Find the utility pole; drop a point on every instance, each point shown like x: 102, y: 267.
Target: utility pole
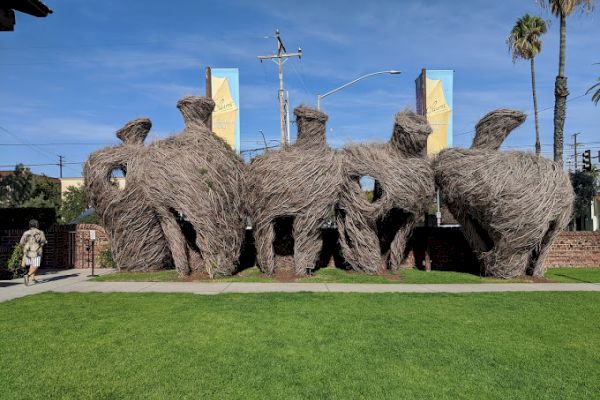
x: 280, y: 58
x: 575, y: 154
x: 60, y: 164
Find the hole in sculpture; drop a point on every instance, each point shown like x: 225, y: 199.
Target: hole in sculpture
x: 283, y: 244
x: 367, y: 186
x: 117, y: 176
x: 189, y: 233
x: 331, y: 251
x: 482, y: 240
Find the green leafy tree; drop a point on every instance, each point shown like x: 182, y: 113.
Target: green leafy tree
x: 45, y: 193
x: 23, y: 189
x: 562, y: 9
x: 525, y: 42
x: 585, y: 188
x: 16, y: 188
x: 73, y: 203
x: 596, y: 91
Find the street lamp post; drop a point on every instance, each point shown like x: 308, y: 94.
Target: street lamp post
x: 360, y: 78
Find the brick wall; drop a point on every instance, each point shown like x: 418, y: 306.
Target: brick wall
x: 66, y: 246
x: 82, y: 253
x: 575, y: 249
x: 450, y: 251
x: 448, y: 248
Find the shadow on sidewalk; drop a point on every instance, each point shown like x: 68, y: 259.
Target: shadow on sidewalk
x: 56, y: 278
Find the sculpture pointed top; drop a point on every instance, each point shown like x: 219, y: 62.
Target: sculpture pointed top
x: 495, y: 126
x: 311, y: 127
x: 196, y: 110
x: 134, y: 132
x: 410, y: 133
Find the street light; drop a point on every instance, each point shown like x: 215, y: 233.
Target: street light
x: 360, y: 78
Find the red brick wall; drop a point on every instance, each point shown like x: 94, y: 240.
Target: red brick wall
x: 82, y: 254
x: 448, y: 249
x: 575, y: 249
x: 66, y: 246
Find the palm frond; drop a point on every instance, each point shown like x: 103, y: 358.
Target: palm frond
x: 524, y: 40
x: 566, y: 7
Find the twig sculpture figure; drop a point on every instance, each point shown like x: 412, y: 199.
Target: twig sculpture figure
x: 510, y: 205
x: 191, y: 187
x: 373, y: 235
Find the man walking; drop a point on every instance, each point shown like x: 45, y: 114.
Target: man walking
x: 33, y: 242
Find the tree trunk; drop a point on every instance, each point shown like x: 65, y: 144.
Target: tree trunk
x: 538, y: 145
x: 560, y: 95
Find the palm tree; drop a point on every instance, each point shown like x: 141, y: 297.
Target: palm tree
x: 562, y: 9
x: 524, y: 42
x: 596, y: 95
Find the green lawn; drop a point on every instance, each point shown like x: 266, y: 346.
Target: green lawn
x: 333, y: 275
x: 301, y: 346
x: 574, y: 275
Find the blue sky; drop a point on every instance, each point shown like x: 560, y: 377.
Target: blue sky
x: 81, y: 73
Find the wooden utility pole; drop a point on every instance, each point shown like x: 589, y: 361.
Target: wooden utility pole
x: 60, y: 165
x: 575, y: 148
x: 209, y: 92
x: 280, y: 58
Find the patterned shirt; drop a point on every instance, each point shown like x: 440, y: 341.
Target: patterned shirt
x: 33, y: 241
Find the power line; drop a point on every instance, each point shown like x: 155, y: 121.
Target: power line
x: 41, y: 165
x: 528, y: 112
x: 58, y: 144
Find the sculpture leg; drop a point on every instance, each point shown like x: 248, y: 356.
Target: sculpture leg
x: 398, y: 245
x: 503, y: 261
x: 176, y: 242
x: 264, y: 235
x: 360, y: 245
x: 307, y: 244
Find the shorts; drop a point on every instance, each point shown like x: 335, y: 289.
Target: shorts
x: 33, y: 261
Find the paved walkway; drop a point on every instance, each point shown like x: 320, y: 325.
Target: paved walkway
x: 76, y: 280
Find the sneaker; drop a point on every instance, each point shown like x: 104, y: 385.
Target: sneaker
x: 35, y: 280
x: 26, y: 279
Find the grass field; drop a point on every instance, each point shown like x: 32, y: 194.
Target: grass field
x: 332, y: 275
x: 301, y: 346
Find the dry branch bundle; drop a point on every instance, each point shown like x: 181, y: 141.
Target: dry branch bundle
x: 301, y: 182
x: 137, y: 241
x: 510, y: 205
x: 190, y: 184
x: 374, y: 235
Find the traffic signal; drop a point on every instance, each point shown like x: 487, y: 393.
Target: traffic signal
x: 587, y: 160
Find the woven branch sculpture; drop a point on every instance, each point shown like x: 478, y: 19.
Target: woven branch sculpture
x: 301, y: 182
x: 510, y: 205
x: 136, y: 238
x: 373, y: 235
x: 190, y: 186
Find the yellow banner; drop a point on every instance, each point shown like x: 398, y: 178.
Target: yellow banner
x: 225, y: 93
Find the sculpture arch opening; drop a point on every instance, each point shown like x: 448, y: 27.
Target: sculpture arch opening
x: 367, y: 186
x: 118, y: 176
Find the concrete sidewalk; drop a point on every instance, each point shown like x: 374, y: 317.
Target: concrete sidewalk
x: 76, y: 280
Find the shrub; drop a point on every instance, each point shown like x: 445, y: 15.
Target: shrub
x: 106, y: 259
x: 14, y: 262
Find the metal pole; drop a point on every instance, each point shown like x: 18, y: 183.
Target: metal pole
x: 287, y: 110
x: 345, y: 85
x: 93, y: 257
